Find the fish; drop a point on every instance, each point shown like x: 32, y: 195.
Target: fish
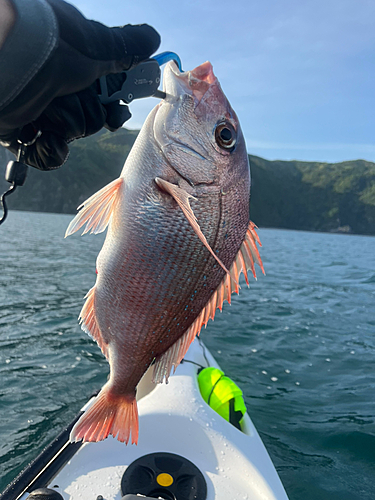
x: 178, y: 237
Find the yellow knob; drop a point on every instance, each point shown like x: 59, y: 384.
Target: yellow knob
x: 164, y: 479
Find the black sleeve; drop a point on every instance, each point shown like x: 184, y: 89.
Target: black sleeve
x: 49, y: 63
x: 28, y: 46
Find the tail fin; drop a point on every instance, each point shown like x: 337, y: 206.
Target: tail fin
x: 110, y: 414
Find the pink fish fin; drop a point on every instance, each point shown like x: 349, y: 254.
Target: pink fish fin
x: 182, y: 198
x: 252, y: 239
x: 248, y: 257
x: 87, y: 320
x: 110, y: 414
x: 213, y: 304
x: 244, y: 260
x: 220, y: 295
x: 173, y: 356
x: 207, y: 313
x: 251, y: 230
x: 96, y: 211
x: 227, y: 288
x: 241, y: 266
x: 249, y: 251
x: 235, y: 287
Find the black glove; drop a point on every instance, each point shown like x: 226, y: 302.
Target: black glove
x: 61, y: 100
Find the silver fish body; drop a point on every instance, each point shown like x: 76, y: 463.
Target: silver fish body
x: 178, y: 220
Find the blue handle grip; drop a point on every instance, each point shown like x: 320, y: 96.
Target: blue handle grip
x: 165, y: 57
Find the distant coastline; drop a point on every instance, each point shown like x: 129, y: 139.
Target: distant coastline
x: 311, y: 196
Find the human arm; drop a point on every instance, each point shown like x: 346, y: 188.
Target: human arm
x: 50, y: 75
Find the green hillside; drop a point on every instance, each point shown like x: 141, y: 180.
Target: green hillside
x: 285, y: 194
x: 92, y: 163
x: 314, y: 196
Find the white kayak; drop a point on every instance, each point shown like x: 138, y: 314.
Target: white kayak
x: 182, y: 441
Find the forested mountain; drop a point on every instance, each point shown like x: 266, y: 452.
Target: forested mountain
x: 92, y: 163
x: 286, y: 194
x: 314, y: 196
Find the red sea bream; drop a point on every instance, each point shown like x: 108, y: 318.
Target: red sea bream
x: 179, y: 236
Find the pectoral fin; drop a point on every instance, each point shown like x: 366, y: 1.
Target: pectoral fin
x: 182, y: 198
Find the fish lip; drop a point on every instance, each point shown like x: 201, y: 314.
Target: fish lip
x: 194, y: 83
x: 173, y: 85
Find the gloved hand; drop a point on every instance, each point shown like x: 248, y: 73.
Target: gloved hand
x: 61, y: 100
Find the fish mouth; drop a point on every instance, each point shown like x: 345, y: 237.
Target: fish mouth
x: 195, y: 82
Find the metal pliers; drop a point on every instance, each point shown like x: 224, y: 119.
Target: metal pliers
x: 141, y: 81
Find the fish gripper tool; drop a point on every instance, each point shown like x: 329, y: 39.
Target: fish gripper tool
x: 138, y: 82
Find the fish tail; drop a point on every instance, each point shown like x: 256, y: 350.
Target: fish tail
x: 111, y: 414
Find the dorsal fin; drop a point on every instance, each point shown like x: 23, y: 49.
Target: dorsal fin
x: 243, y: 262
x: 96, y: 211
x: 252, y: 239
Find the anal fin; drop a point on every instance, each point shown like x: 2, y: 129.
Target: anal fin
x: 88, y: 322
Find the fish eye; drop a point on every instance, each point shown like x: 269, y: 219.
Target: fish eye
x: 225, y: 135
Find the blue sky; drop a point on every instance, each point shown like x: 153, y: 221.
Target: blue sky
x: 299, y: 73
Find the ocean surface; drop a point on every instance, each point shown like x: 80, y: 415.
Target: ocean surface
x: 300, y: 342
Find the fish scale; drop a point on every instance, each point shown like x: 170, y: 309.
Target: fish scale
x: 178, y: 219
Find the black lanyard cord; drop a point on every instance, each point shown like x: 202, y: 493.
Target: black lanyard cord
x: 3, y: 203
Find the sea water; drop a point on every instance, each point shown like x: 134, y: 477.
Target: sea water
x: 300, y: 342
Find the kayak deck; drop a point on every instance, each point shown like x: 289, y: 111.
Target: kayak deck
x: 174, y: 418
